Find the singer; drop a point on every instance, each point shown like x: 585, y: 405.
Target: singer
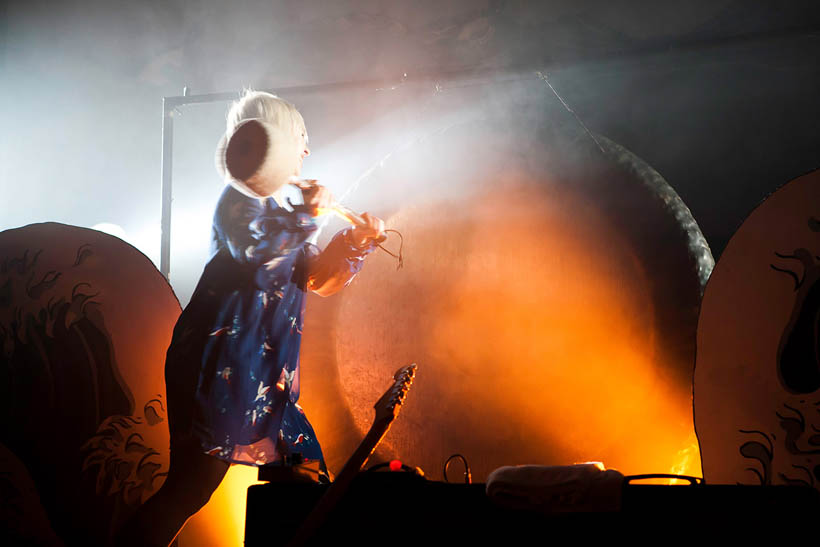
x: 232, y: 369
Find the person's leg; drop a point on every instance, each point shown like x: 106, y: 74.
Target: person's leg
x: 192, y: 478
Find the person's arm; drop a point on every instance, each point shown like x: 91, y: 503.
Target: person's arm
x: 331, y: 270
x: 334, y: 268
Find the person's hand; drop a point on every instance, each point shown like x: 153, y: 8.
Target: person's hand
x: 373, y: 230
x: 317, y: 198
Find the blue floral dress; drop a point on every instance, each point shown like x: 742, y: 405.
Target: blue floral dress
x: 232, y: 371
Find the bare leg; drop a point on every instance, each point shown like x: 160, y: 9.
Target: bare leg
x: 192, y: 478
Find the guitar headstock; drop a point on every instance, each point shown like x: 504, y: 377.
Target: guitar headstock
x: 387, y: 408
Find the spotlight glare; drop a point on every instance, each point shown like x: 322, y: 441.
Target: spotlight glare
x: 111, y: 229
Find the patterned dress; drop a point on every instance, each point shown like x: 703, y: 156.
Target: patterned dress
x: 232, y: 371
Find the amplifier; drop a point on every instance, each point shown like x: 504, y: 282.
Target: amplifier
x: 404, y: 508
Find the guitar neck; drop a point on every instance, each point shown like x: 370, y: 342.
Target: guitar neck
x: 360, y: 456
x: 387, y: 408
x: 339, y: 486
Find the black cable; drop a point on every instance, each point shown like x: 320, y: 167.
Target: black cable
x: 400, y: 257
x: 468, y: 476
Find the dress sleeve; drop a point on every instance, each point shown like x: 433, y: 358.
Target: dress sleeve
x: 257, y: 234
x: 336, y: 266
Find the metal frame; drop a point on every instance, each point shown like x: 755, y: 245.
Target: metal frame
x: 468, y: 76
x: 171, y: 105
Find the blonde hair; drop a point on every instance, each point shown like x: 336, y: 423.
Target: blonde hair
x: 268, y: 107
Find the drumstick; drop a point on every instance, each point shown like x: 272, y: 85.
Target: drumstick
x: 345, y: 213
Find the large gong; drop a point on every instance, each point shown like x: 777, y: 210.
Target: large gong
x: 549, y: 296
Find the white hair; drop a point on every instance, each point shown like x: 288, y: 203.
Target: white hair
x: 268, y: 107
x: 283, y: 137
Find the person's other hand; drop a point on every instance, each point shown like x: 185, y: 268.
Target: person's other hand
x: 318, y: 199
x: 372, y: 231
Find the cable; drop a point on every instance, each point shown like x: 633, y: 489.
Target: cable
x: 400, y: 257
x: 543, y: 76
x: 468, y: 476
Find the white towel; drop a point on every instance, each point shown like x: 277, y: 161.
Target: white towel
x: 556, y: 489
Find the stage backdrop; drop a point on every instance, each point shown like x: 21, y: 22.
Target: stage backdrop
x: 85, y: 320
x: 757, y: 378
